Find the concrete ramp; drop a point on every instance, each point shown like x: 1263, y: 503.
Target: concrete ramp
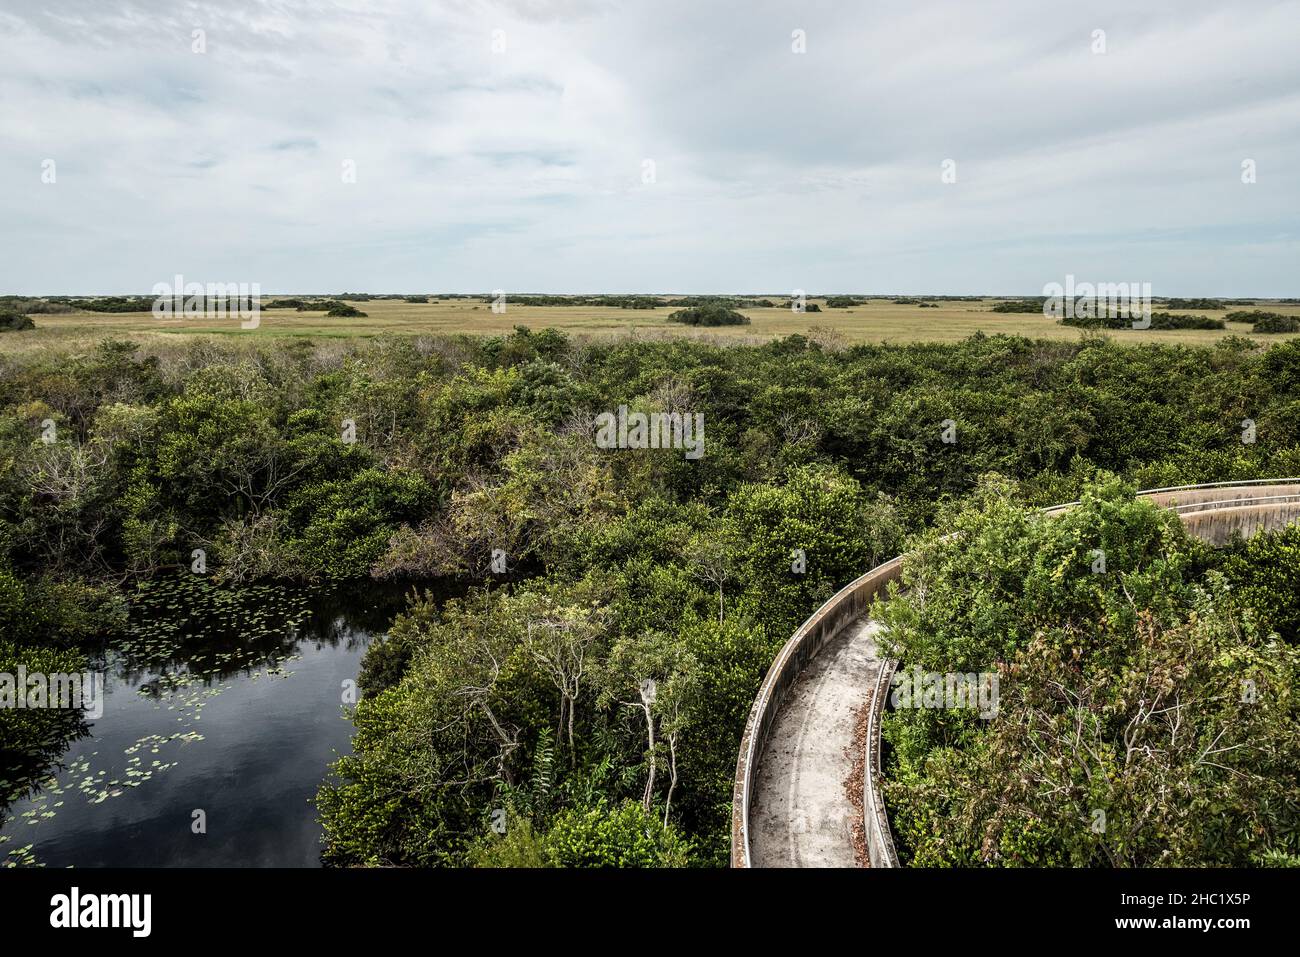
x: 790, y: 807
x: 802, y: 816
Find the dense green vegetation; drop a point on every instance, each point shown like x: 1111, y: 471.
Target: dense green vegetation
x: 31, y: 737
x: 115, y: 304
x: 1193, y: 303
x: 526, y: 701
x: 15, y: 322
x: 1267, y: 322
x: 1099, y: 319
x: 25, y: 306
x: 1253, y: 315
x: 45, y: 621
x: 1165, y: 320
x: 616, y: 302
x: 1021, y: 306
x: 640, y: 302
x: 1147, y: 712
x: 709, y: 314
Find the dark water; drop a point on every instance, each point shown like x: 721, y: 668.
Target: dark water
x: 235, y: 708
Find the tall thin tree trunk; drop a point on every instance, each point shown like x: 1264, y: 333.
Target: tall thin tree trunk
x: 672, y: 780
x: 573, y: 760
x: 559, y: 728
x: 650, y: 781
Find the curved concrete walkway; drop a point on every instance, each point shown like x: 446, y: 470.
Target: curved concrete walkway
x: 801, y: 816
x: 798, y: 813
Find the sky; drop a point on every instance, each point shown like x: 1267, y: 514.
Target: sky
x: 671, y: 146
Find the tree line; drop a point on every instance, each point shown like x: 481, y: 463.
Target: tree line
x: 601, y: 685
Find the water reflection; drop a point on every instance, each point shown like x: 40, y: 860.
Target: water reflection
x: 227, y: 702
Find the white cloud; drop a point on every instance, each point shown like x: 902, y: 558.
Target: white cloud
x: 522, y: 169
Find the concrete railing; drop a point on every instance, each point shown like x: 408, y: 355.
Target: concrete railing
x: 875, y: 819
x: 1216, y: 513
x: 846, y: 606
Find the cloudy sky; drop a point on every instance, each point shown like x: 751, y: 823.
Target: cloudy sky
x: 656, y: 145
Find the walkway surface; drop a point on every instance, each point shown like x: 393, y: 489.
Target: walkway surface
x: 801, y: 815
x: 799, y: 812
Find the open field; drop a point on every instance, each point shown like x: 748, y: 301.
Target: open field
x: 877, y: 321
